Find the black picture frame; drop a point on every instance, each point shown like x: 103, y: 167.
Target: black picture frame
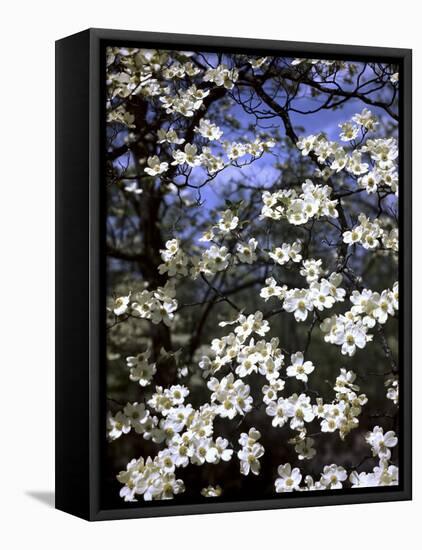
x: 80, y: 271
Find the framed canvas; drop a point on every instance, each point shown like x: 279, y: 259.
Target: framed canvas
x: 233, y: 227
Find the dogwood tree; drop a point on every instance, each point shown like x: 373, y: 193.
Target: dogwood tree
x: 252, y: 274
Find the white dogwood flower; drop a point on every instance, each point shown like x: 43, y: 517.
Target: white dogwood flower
x: 333, y: 476
x: 288, y: 480
x: 211, y: 491
x: 208, y: 130
x: 227, y: 222
x: 299, y: 368
x: 121, y: 305
x: 299, y: 302
x: 246, y: 252
x: 279, y: 411
x: 381, y: 443
x: 155, y: 166
x: 250, y: 453
x: 272, y: 289
x: 305, y: 449
x: 118, y: 425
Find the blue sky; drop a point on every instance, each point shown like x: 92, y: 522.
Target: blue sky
x: 262, y: 171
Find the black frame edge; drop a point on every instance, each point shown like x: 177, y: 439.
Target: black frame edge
x: 225, y: 42
x: 406, y: 272
x: 72, y: 417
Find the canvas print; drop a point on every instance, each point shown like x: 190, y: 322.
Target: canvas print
x: 252, y: 267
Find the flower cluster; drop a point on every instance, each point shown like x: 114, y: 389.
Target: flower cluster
x: 332, y: 477
x: 311, y: 270
x: 383, y: 154
x: 390, y: 239
x: 296, y: 409
x: 168, y: 136
x: 375, y: 307
x: 350, y: 331
x: 188, y: 155
x: 324, y: 62
x: 214, y: 259
x: 342, y: 413
x: 237, y: 150
x: 134, y: 416
x: 246, y: 357
x: 135, y: 75
x: 211, y: 162
x: 385, y: 473
x: 320, y: 295
x: 186, y: 433
x: 286, y: 252
x: 381, y: 169
x: 150, y: 478
x: 392, y: 385
x: 361, y: 122
x: 231, y: 396
x: 140, y: 370
x: 250, y: 453
x: 313, y: 202
x: 158, y: 305
x: 208, y: 130
x: 257, y: 62
x: 347, y: 331
x: 179, y: 70
x: 121, y: 116
x: 227, y: 223
x: 175, y: 260
x: 367, y: 233
x: 184, y: 102
x: 222, y: 76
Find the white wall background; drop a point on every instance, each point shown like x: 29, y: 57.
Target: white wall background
x: 28, y: 31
